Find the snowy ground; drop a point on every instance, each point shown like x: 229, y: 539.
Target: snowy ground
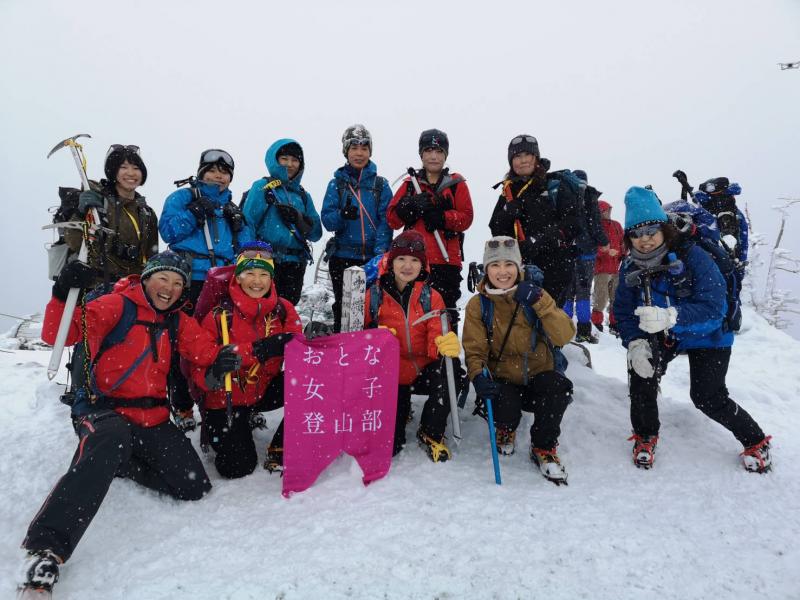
x: 696, y: 526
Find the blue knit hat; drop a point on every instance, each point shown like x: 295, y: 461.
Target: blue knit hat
x: 642, y: 208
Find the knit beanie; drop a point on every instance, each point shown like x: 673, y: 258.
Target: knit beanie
x: 356, y: 134
x: 292, y: 149
x: 255, y: 255
x: 434, y: 138
x: 502, y: 247
x: 642, y: 208
x: 168, y: 261
x: 408, y: 243
x: 117, y: 154
x: 523, y: 143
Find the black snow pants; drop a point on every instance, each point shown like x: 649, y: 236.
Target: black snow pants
x: 160, y: 458
x: 446, y: 279
x: 289, y: 279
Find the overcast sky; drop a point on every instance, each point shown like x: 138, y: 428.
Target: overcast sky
x: 628, y: 91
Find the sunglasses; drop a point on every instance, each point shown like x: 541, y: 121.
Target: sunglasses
x: 358, y: 142
x: 122, y: 148
x: 494, y: 244
x: 413, y: 245
x: 524, y: 138
x: 209, y: 157
x: 644, y: 230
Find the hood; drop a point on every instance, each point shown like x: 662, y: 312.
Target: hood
x: 604, y: 206
x: 277, y: 170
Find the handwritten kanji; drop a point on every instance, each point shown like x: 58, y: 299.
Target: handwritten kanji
x: 372, y: 387
x: 345, y: 425
x: 313, y: 422
x: 312, y: 390
x: 371, y: 420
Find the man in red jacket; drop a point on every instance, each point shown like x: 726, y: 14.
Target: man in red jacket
x: 442, y: 210
x: 606, y: 268
x: 125, y: 431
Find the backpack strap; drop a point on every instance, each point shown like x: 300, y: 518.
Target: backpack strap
x: 425, y: 298
x: 487, y: 316
x: 375, y: 300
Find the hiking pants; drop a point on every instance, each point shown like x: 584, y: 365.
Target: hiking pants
x: 707, y: 370
x: 446, y: 279
x: 289, y: 279
x: 579, y: 290
x: 234, y: 446
x: 558, y: 266
x: 336, y: 267
x: 547, y: 396
x: 605, y: 288
x: 432, y: 381
x: 160, y: 458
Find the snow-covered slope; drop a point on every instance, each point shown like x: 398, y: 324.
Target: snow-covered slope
x: 696, y: 526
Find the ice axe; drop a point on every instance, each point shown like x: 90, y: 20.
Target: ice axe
x: 83, y: 253
x: 448, y: 363
x: 415, y: 182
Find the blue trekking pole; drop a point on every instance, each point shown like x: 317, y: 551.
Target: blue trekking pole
x: 492, y: 438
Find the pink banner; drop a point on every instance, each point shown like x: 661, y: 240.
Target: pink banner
x: 340, y: 395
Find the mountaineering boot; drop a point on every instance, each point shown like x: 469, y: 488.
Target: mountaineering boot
x: 757, y: 458
x: 257, y: 421
x: 437, y: 450
x: 549, y: 465
x: 506, y: 439
x: 274, y: 460
x: 644, y: 450
x: 39, y: 573
x: 585, y: 334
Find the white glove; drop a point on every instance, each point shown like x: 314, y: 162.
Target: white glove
x: 653, y: 319
x: 729, y: 241
x: 639, y: 355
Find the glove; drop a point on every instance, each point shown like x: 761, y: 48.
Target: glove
x: 75, y: 275
x: 89, y: 199
x: 315, y: 329
x: 304, y: 225
x: 127, y: 252
x: 448, y: 345
x: 639, y: 356
x: 349, y: 212
x: 676, y: 266
x: 528, y: 293
x: 184, y: 420
x: 408, y: 210
x: 289, y: 214
x: 434, y: 219
x: 653, y: 319
x: 227, y: 360
x: 485, y: 388
x: 271, y: 346
x: 513, y: 209
x: 234, y: 216
x: 201, y: 208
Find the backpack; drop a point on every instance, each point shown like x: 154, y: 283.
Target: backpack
x: 215, y: 293
x: 376, y: 299
x: 59, y: 254
x: 589, y: 220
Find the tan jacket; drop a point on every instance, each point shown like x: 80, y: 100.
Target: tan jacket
x: 517, y: 354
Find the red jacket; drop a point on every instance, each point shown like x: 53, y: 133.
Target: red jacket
x: 149, y: 379
x: 605, y: 263
x: 417, y: 342
x: 452, y: 194
x: 249, y: 319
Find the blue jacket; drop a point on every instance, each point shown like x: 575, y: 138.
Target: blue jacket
x: 179, y: 229
x: 266, y: 220
x: 700, y: 313
x: 370, y: 234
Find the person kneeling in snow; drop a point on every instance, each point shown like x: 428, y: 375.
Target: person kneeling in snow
x: 260, y: 324
x: 512, y: 330
x: 400, y: 301
x: 126, y: 430
x: 666, y: 305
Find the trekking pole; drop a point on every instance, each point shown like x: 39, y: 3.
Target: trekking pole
x: 228, y: 387
x: 451, y: 383
x: 686, y: 189
x: 415, y: 182
x: 83, y: 254
x: 492, y: 434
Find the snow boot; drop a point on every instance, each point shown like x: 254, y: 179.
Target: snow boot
x: 757, y: 458
x: 644, y: 450
x: 585, y: 334
x: 257, y: 421
x: 39, y: 574
x: 597, y: 319
x: 549, y: 465
x: 506, y: 439
x: 274, y: 460
x: 437, y: 450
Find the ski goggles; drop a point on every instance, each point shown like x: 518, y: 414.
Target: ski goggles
x: 358, y: 142
x: 644, y: 230
x: 494, y: 244
x: 414, y: 245
x: 524, y: 138
x: 262, y: 253
x: 213, y: 156
x: 122, y: 148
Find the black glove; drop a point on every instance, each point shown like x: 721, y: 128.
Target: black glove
x: 127, y: 252
x: 234, y: 216
x: 434, y: 219
x: 349, y: 212
x: 270, y: 347
x: 528, y: 293
x: 227, y: 360
x: 485, y: 388
x: 201, y: 208
x: 513, y: 209
x: 75, y: 275
x: 289, y: 214
x: 304, y: 225
x: 315, y: 329
x: 408, y: 210
x: 89, y: 199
